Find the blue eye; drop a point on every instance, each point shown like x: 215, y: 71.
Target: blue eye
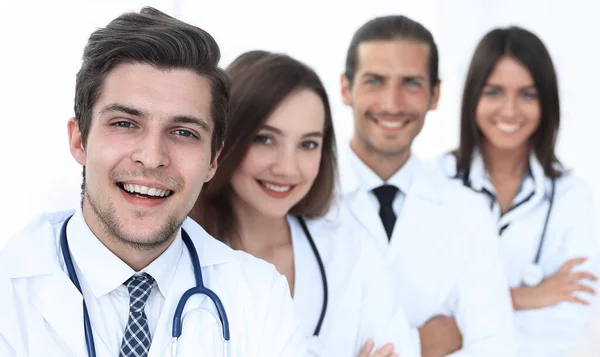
x: 529, y: 95
x: 184, y: 133
x: 123, y: 124
x: 413, y: 83
x: 373, y: 81
x: 492, y: 93
x: 310, y: 145
x: 263, y: 139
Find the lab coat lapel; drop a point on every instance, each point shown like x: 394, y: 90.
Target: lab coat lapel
x: 61, y: 305
x: 362, y: 210
x: 9, y: 314
x: 357, y: 202
x: 421, y: 202
x: 53, y: 294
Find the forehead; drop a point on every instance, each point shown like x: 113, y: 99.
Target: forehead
x: 300, y: 112
x: 510, y: 71
x: 163, y: 93
x: 400, y: 57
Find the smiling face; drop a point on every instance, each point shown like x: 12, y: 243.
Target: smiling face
x: 147, y: 155
x: 390, y: 95
x: 508, y: 112
x: 282, y: 163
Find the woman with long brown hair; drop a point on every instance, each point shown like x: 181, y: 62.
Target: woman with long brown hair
x: 275, y: 182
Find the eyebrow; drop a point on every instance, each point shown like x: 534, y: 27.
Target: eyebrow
x: 529, y: 86
x: 405, y: 77
x: 314, y: 134
x: 178, y: 119
x: 185, y: 119
x: 122, y: 108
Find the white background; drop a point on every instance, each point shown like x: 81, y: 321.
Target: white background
x: 41, y: 43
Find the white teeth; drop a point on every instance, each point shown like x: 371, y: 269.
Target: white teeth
x: 507, y: 128
x: 392, y: 124
x: 145, y: 190
x: 276, y: 188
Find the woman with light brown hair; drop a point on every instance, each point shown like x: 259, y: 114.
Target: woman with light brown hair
x: 275, y: 182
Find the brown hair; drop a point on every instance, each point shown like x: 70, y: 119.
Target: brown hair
x: 154, y: 38
x: 390, y: 28
x: 260, y: 82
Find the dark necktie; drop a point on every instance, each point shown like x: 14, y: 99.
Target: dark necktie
x: 136, y: 339
x: 386, y: 194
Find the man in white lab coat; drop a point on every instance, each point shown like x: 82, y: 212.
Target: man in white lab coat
x: 150, y: 111
x: 442, y: 251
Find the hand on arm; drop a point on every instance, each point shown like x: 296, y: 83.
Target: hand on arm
x: 386, y: 350
x: 556, y: 288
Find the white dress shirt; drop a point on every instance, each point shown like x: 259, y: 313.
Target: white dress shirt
x: 369, y: 181
x: 102, y: 276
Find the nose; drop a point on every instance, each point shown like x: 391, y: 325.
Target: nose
x: 286, y: 162
x: 151, y: 150
x: 509, y: 107
x: 393, y: 99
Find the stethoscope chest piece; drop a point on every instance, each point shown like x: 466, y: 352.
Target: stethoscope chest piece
x: 533, y: 275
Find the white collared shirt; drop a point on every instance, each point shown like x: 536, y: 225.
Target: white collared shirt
x: 102, y: 276
x: 368, y: 181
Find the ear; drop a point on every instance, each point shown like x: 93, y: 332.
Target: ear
x: 435, y: 97
x: 213, y: 167
x: 346, y: 89
x: 75, y: 141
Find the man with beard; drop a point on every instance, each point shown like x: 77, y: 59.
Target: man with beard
x: 442, y: 251
x: 106, y: 279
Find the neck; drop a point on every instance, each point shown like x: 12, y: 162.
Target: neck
x: 505, y: 163
x: 134, y: 255
x: 384, y: 165
x: 256, y: 233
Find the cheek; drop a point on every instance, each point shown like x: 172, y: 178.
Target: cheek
x: 310, y: 167
x: 483, y: 112
x: 533, y: 114
x: 253, y: 164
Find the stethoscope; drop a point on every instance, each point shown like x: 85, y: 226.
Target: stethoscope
x: 177, y: 322
x: 533, y: 273
x: 322, y: 270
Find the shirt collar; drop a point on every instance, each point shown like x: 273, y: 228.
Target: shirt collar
x: 104, y: 271
x: 480, y: 179
x: 369, y: 180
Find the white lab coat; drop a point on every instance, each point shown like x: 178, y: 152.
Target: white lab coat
x: 361, y: 301
x: 571, y: 232
x: 41, y: 311
x: 443, y: 255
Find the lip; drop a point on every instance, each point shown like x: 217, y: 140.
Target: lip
x: 147, y: 184
x: 393, y: 125
x: 142, y: 201
x: 275, y: 194
x: 508, y: 128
